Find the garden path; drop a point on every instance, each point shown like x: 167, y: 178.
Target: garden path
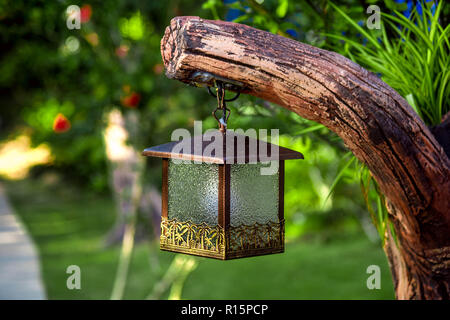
x: 20, y: 276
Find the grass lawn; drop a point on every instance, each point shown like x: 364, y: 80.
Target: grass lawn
x: 69, y: 226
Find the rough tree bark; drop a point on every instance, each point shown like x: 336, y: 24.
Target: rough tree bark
x: 373, y: 120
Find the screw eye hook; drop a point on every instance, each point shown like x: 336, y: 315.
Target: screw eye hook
x: 226, y: 100
x: 221, y: 105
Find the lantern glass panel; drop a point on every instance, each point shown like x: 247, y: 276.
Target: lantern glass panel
x: 253, y: 196
x: 193, y: 192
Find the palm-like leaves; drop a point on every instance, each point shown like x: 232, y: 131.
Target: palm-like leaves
x: 416, y: 63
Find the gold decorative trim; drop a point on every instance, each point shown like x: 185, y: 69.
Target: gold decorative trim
x: 188, y: 237
x: 256, y: 239
x: 212, y: 241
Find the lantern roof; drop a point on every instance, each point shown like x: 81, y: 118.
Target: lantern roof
x: 229, y: 148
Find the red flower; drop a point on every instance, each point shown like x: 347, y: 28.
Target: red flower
x: 61, y: 124
x: 132, y: 100
x: 85, y: 13
x: 122, y: 51
x: 158, y: 68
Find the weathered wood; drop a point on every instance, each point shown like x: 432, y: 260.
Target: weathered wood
x: 372, y: 119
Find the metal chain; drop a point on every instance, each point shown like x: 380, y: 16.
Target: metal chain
x: 221, y: 105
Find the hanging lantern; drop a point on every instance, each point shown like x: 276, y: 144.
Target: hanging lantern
x: 215, y: 200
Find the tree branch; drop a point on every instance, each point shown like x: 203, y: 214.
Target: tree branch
x: 374, y: 121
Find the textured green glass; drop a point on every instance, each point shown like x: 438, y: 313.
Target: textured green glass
x: 193, y: 192
x: 253, y: 197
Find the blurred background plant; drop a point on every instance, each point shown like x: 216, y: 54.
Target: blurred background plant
x: 77, y: 106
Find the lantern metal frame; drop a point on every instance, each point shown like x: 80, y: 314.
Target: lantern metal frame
x: 222, y: 241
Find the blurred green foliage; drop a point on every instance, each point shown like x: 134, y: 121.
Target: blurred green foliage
x: 47, y: 69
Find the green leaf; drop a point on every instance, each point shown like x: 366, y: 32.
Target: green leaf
x: 412, y: 103
x: 282, y: 9
x: 309, y: 129
x: 339, y: 176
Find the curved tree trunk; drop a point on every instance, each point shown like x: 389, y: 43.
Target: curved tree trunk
x: 373, y: 120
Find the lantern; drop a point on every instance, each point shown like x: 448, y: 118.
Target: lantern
x: 219, y: 197
x: 221, y: 205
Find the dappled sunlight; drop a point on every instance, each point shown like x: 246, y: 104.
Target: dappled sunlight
x: 133, y: 27
x: 18, y: 156
x: 116, y: 137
